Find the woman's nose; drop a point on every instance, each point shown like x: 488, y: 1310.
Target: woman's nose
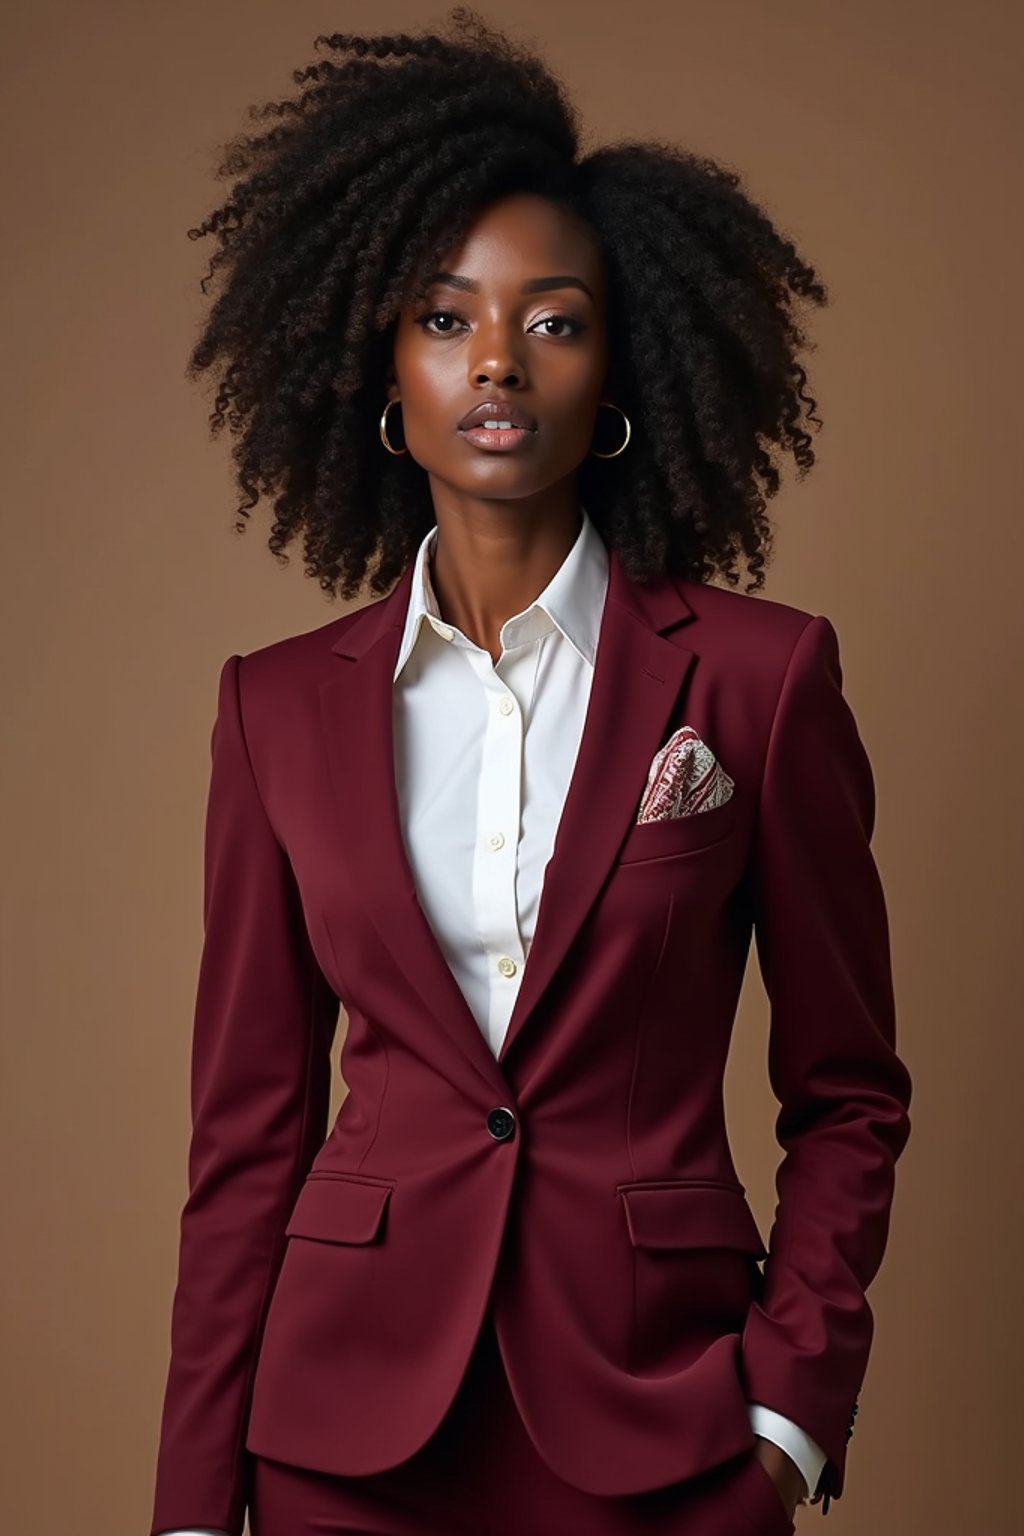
x: 494, y: 357
x: 496, y: 375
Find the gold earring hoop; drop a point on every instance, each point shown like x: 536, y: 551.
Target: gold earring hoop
x: 629, y: 432
x: 384, y: 430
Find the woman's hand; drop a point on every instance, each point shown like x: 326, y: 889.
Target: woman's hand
x: 783, y: 1471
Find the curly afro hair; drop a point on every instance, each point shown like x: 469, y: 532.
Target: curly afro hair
x: 341, y: 208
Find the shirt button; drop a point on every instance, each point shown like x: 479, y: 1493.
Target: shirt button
x: 445, y: 631
x: 506, y: 705
x: 506, y: 966
x: 496, y: 840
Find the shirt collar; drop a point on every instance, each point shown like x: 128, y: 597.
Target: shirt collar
x: 572, y: 602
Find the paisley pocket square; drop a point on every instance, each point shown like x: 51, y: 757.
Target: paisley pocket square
x: 684, y: 778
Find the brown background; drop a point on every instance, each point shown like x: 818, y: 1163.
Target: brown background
x: 885, y: 138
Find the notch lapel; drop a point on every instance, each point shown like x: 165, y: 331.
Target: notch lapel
x: 356, y: 704
x: 638, y: 678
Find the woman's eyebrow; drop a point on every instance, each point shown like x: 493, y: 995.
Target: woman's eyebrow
x: 532, y: 285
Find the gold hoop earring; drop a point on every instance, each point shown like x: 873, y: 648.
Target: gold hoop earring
x: 629, y: 432
x: 384, y: 430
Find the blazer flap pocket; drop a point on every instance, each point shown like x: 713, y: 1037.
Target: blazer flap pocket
x: 690, y: 1214
x: 340, y: 1208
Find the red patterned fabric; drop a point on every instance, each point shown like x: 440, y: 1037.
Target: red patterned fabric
x: 684, y: 777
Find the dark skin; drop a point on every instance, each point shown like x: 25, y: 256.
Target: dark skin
x: 506, y: 521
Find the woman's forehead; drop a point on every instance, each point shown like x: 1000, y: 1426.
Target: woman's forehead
x: 523, y: 236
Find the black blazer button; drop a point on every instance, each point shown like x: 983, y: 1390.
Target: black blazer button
x: 501, y: 1123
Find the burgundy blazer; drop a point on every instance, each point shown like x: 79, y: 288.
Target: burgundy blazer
x: 332, y: 1280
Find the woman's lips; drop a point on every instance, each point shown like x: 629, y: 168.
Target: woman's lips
x: 497, y: 439
x: 489, y: 412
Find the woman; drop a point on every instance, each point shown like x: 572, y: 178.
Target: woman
x: 521, y: 815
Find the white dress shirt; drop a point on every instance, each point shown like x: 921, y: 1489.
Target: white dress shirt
x: 484, y: 751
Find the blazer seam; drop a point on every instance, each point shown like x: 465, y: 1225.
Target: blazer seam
x: 249, y: 758
x: 637, y: 1037
x: 813, y: 619
x: 778, y: 1259
x: 278, y: 1245
x: 638, y: 1032
x: 781, y: 1258
x: 382, y: 1043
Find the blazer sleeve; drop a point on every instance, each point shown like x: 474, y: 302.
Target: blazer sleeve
x: 263, y: 1027
x: 822, y: 941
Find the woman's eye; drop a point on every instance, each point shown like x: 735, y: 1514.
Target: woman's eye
x: 445, y: 314
x: 570, y: 320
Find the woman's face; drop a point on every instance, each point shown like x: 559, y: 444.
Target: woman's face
x: 516, y: 314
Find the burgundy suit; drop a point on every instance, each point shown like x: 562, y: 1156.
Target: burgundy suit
x: 581, y: 1185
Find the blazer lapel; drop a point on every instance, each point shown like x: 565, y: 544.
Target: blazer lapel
x: 638, y: 675
x: 638, y: 678
x: 356, y: 703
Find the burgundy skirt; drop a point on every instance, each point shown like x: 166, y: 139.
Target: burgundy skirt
x: 479, y: 1474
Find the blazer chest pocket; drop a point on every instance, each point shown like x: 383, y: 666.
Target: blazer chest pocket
x: 678, y: 834
x: 340, y: 1208
x: 696, y: 1247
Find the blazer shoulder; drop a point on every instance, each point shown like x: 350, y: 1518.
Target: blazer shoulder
x: 747, y: 610
x: 749, y: 632
x: 279, y: 681
x: 292, y: 659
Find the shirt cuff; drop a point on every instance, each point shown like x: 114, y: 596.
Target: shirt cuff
x: 796, y: 1442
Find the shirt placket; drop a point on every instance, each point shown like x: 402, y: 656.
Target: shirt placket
x: 508, y: 688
